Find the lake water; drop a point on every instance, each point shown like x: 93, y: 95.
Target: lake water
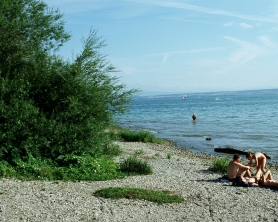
x: 245, y: 120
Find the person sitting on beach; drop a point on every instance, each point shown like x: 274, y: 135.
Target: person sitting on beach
x: 267, y: 180
x: 194, y: 117
x: 236, y: 170
x: 260, y: 160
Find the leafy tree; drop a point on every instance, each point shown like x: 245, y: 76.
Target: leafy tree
x: 50, y: 107
x: 28, y: 27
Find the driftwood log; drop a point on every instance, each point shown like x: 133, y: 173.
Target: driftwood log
x: 234, y: 151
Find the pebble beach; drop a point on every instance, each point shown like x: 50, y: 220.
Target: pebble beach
x: 175, y: 170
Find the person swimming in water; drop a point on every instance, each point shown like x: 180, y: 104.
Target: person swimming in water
x: 194, y: 117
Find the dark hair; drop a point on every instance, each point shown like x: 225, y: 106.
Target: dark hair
x: 236, y: 156
x: 248, y: 155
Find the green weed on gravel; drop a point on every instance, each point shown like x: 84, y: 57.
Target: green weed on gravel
x: 219, y: 165
x: 159, y: 197
x: 135, y: 166
x: 139, y: 136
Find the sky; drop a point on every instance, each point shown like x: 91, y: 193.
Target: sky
x: 165, y: 46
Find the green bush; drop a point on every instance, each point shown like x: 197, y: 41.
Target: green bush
x: 112, y: 150
x: 69, y: 167
x: 219, y: 165
x: 30, y: 168
x: 135, y: 166
x: 6, y: 170
x: 159, y: 197
x: 138, y: 136
x: 88, y: 168
x: 50, y: 106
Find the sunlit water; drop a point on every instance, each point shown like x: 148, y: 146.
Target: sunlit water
x: 245, y: 120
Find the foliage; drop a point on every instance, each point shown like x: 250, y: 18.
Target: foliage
x: 73, y: 167
x: 50, y: 107
x: 29, y: 30
x: 70, y: 167
x: 159, y: 197
x: 88, y: 168
x: 139, y: 136
x: 134, y: 166
x: 169, y: 156
x: 219, y: 165
x: 28, y: 33
x: 6, y: 170
x: 112, y: 150
x: 139, y: 152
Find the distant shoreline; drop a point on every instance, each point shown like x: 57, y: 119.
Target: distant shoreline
x: 271, y: 163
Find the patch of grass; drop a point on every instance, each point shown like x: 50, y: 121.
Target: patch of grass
x: 67, y: 168
x: 159, y: 197
x: 219, y: 165
x: 244, y: 191
x: 138, y: 152
x: 169, y: 156
x: 135, y: 166
x: 139, y: 136
x: 112, y: 150
x: 89, y: 168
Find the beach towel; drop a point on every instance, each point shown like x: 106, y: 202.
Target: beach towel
x: 234, y: 182
x: 240, y: 183
x: 225, y: 179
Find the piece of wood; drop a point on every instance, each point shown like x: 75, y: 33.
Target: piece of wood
x: 230, y: 151
x: 234, y: 151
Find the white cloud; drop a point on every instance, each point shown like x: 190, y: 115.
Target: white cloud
x: 242, y: 25
x: 245, y: 26
x: 170, y: 4
x: 73, y: 6
x: 228, y: 24
x: 167, y: 55
x: 267, y: 42
x: 274, y: 29
x: 245, y: 53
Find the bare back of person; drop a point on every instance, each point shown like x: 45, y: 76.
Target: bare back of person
x: 259, y: 156
x: 232, y: 170
x: 260, y: 160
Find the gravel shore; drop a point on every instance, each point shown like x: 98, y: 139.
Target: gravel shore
x: 185, y: 174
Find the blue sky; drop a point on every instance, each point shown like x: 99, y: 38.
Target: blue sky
x: 180, y: 46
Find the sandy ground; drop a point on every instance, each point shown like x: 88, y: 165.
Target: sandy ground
x: 187, y: 175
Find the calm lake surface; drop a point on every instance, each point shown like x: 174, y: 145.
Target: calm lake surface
x: 245, y: 120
